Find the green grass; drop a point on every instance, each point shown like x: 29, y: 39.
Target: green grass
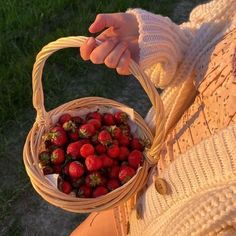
x: 26, y: 26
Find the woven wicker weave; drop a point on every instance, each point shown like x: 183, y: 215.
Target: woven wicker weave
x: 44, y: 122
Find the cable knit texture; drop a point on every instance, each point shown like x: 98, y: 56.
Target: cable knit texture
x: 198, y: 159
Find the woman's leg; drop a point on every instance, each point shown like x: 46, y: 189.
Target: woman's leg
x: 97, y: 223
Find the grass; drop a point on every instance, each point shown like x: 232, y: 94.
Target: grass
x: 26, y: 26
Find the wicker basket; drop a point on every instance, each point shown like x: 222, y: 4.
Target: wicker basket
x: 44, y: 121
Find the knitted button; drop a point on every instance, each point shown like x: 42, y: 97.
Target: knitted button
x: 161, y: 186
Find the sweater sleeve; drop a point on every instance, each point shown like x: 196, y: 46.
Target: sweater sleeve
x: 162, y: 45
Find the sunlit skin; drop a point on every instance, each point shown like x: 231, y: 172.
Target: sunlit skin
x: 118, y: 41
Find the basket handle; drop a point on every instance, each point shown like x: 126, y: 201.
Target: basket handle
x: 77, y: 41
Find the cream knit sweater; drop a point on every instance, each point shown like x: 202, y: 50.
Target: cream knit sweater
x: 198, y: 161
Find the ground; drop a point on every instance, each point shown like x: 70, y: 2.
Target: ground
x: 26, y: 27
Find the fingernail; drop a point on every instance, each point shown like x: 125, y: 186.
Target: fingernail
x: 90, y: 41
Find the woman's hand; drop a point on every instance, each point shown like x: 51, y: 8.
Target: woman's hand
x: 119, y: 41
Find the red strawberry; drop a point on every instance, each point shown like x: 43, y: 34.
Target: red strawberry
x: 65, y: 187
x: 124, y: 153
x: 113, y: 184
x: 74, y: 134
x: 76, y: 169
x: 115, y: 132
x: 114, y: 172
x: 136, y: 144
x: 57, y: 169
x: 64, y: 118
x: 94, y: 115
x: 106, y: 161
x: 99, y: 191
x: 95, y: 122
x: 108, y: 119
x: 77, y: 120
x: 86, y: 150
x: 47, y: 170
x: 104, y: 137
x: 126, y: 173
x: 93, y: 162
x: 94, y: 179
x: 58, y: 156
x: 113, y: 151
x: 44, y: 158
x: 121, y: 117
x: 100, y: 149
x: 135, y: 158
x: 86, y: 130
x: 69, y: 125
x: 73, y: 149
x: 57, y: 136
x: 84, y: 191
x: 124, y: 140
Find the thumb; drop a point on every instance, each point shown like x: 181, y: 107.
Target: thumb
x: 103, y: 21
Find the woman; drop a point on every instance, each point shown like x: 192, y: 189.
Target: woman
x: 193, y: 189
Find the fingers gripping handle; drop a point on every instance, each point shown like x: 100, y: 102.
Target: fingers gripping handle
x: 77, y: 41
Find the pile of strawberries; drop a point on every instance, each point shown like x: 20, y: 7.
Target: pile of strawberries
x: 93, y: 155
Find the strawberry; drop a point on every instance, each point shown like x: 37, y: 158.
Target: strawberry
x: 77, y: 120
x: 58, y: 156
x: 124, y: 140
x: 64, y: 118
x: 104, y: 137
x: 47, y: 170
x: 95, y: 122
x: 136, y: 144
x: 76, y: 169
x: 124, y: 153
x: 44, y: 158
x: 94, y: 115
x: 106, y: 161
x: 57, y: 169
x: 99, y: 191
x: 113, y: 184
x: 126, y: 173
x: 65, y: 187
x: 69, y: 125
x: 84, y: 191
x: 57, y: 136
x: 135, y: 158
x: 86, y: 130
x: 120, y: 117
x: 100, y: 149
x: 93, y: 162
x: 115, y: 132
x: 86, y: 150
x: 113, y: 151
x: 114, y: 172
x: 108, y: 119
x: 94, y: 179
x: 74, y: 134
x: 73, y: 149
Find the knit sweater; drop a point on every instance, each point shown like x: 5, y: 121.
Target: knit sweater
x: 198, y: 161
